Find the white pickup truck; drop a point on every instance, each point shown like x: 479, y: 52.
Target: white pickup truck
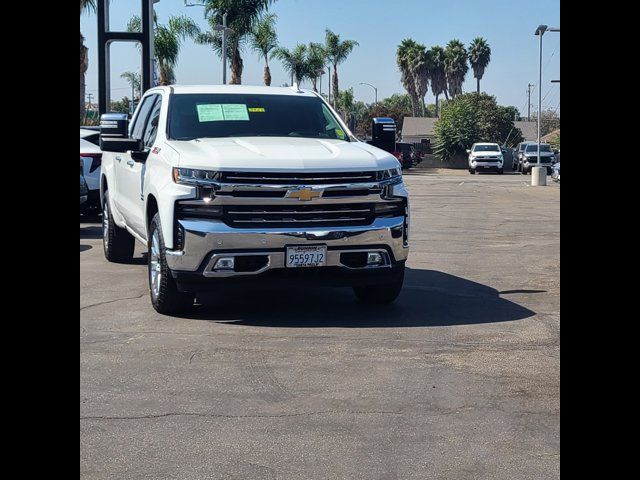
x: 230, y: 184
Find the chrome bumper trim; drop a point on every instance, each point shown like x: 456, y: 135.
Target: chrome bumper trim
x: 277, y: 260
x: 205, y: 236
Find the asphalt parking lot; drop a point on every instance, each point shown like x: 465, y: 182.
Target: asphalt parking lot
x: 459, y: 379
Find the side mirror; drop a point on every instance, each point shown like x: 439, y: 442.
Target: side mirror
x: 121, y: 144
x: 468, y: 151
x: 114, y: 125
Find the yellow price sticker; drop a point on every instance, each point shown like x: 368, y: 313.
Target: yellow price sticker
x: 339, y: 133
x: 256, y: 109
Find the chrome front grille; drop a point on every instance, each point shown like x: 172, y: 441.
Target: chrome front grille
x: 247, y: 216
x: 298, y: 178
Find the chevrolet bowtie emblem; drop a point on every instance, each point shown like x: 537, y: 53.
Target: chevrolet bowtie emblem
x: 304, y: 194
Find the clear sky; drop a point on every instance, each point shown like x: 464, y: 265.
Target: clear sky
x: 379, y: 26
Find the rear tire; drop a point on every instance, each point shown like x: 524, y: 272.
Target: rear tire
x: 383, y: 293
x: 118, y: 244
x: 165, y: 297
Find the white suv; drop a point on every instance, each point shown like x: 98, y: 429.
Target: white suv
x: 229, y: 184
x: 485, y: 157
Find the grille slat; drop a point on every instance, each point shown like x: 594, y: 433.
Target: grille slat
x: 308, y: 178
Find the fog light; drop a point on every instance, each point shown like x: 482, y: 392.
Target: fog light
x: 225, y: 263
x: 374, y: 258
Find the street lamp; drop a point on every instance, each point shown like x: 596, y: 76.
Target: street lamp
x: 219, y: 28
x: 535, y: 178
x: 223, y: 28
x: 374, y: 88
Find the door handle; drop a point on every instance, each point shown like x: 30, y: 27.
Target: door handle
x: 118, y: 158
x: 131, y: 163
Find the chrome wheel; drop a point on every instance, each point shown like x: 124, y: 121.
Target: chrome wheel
x: 105, y: 225
x: 155, y: 272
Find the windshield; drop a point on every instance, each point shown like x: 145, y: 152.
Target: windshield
x: 246, y: 115
x: 486, y: 148
x: 534, y: 148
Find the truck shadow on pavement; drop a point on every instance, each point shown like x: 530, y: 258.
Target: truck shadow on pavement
x: 429, y: 298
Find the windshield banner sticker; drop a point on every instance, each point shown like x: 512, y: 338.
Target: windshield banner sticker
x: 235, y: 111
x: 210, y: 113
x: 218, y: 112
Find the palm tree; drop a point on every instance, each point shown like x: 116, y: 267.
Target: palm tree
x: 167, y: 42
x: 133, y: 79
x: 337, y: 52
x: 456, y: 66
x: 294, y: 61
x: 404, y: 55
x: 242, y: 16
x: 437, y: 73
x: 85, y: 5
x: 479, y: 57
x: 419, y: 65
x: 264, y: 39
x: 316, y: 59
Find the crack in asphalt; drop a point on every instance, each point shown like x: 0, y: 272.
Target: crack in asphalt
x: 112, y: 301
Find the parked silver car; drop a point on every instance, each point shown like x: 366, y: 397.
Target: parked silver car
x: 530, y: 157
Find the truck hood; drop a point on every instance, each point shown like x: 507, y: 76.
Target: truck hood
x: 280, y: 154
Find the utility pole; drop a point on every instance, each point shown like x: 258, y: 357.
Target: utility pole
x: 89, y: 95
x: 529, y: 102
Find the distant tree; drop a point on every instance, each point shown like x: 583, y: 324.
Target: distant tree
x: 555, y: 141
x: 479, y: 57
x: 398, y: 100
x: 337, y: 52
x: 293, y: 61
x: 121, y: 106
x: 437, y: 73
x: 456, y: 66
x: 167, y: 42
x: 344, y: 103
x: 315, y: 60
x: 133, y: 79
x: 242, y: 15
x: 264, y: 39
x: 397, y: 112
x: 471, y: 118
x: 85, y: 6
x: 419, y: 64
x: 405, y: 54
x: 549, y: 121
x: 513, y: 112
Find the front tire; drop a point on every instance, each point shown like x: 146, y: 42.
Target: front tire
x: 165, y: 297
x: 383, y: 293
x: 501, y: 171
x: 118, y: 244
x: 472, y: 171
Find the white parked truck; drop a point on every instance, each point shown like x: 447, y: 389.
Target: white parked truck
x: 231, y: 183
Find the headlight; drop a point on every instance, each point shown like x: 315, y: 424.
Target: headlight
x: 194, y: 176
x: 389, y: 174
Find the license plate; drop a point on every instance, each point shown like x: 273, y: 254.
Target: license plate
x: 307, y: 256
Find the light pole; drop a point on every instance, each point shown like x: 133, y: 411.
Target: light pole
x: 219, y: 28
x: 223, y: 28
x: 536, y: 172
x: 374, y: 88
x: 329, y: 80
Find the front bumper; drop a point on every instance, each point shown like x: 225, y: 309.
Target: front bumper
x: 486, y: 166
x: 206, y: 240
